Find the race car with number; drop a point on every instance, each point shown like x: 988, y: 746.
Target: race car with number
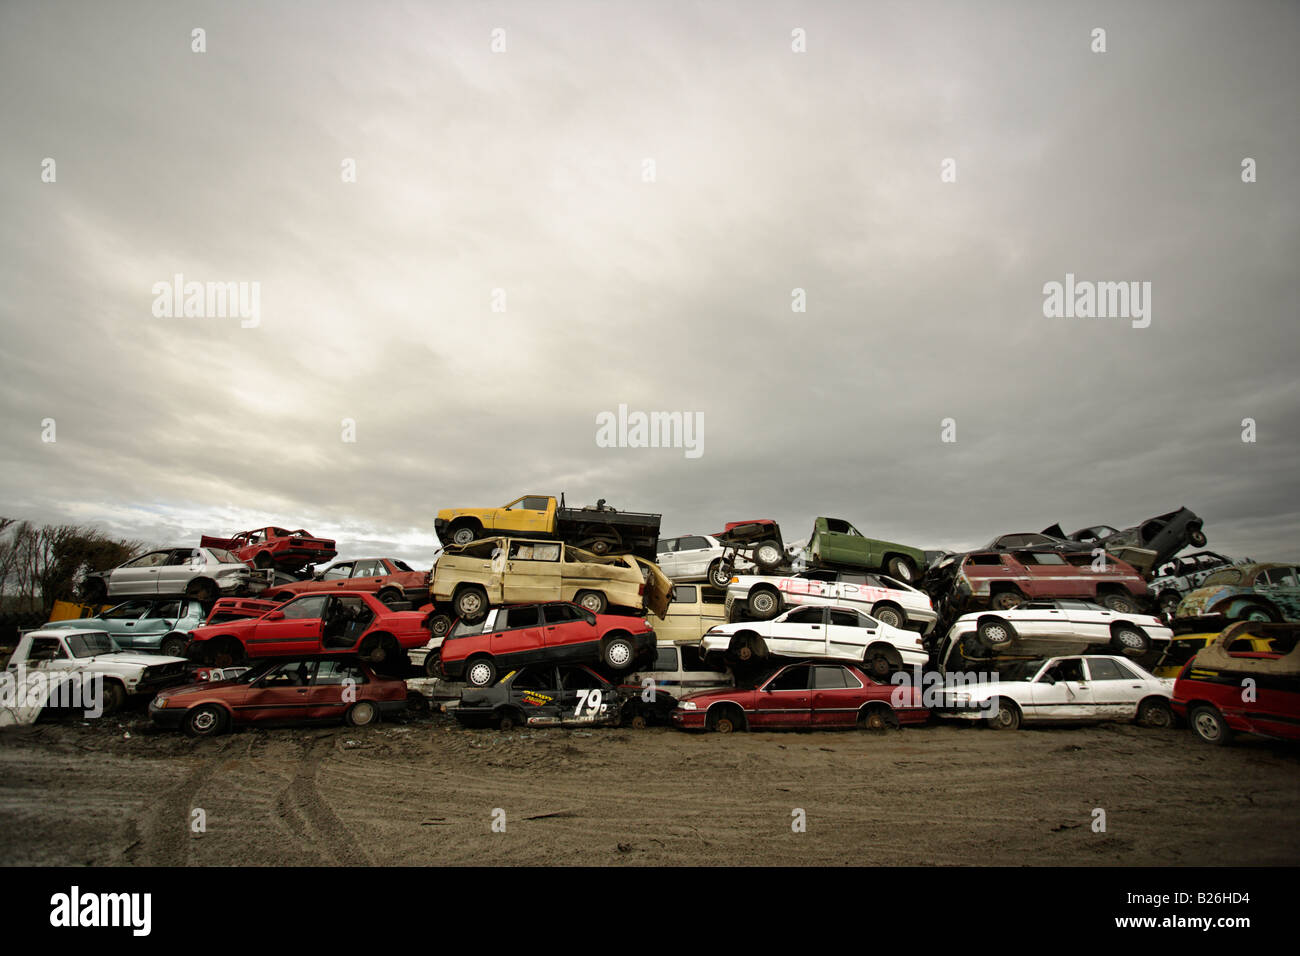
x: 549, y: 695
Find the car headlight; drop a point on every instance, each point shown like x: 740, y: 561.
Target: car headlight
x: 160, y: 701
x: 686, y: 705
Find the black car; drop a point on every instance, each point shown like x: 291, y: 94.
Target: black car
x: 559, y: 695
x: 1150, y: 544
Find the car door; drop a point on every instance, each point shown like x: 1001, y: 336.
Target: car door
x: 693, y: 556
x: 527, y: 514
x: 293, y: 628
x: 345, y: 618
x: 801, y: 633
x: 367, y: 575
x: 848, y: 633
x: 338, y: 576
x: 532, y: 571
x: 336, y: 685
x: 516, y: 638
x: 1116, y: 689
x: 181, y: 567
x: 281, y: 694
x: 785, y: 700
x: 584, y: 697
x: 1088, y: 620
x: 666, y: 556
x: 160, y: 619
x: 836, y: 696
x: 536, y: 691
x: 123, y: 621
x: 1068, y: 696
x: 139, y: 576
x: 1051, y: 575
x: 1039, y: 619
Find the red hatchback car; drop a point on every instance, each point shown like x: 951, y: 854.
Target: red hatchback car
x: 391, y: 579
x: 282, y: 691
x: 275, y: 548
x: 519, y: 634
x: 812, y: 695
x: 338, y: 622
x: 1224, y: 689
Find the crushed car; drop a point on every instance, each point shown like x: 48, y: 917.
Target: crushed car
x: 808, y: 695
x: 694, y: 609
x: 1246, y: 592
x: 1003, y: 579
x: 836, y: 543
x: 893, y: 602
x: 158, y: 626
x: 393, y: 581
x: 1175, y: 578
x: 546, y: 694
x: 1150, y: 544
x: 272, y: 548
x: 277, y: 691
x: 200, y: 574
x: 596, y: 528
x: 699, y: 557
x: 472, y: 578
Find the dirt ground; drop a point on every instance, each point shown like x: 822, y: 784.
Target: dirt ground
x: 423, y: 792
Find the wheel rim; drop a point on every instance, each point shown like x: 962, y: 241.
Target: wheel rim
x: 1157, y: 716
x: 1131, y: 640
x: 768, y: 555
x: 204, y: 720
x: 996, y: 633
x: 1005, y: 716
x: 724, y: 725
x: 880, y: 666
x: 479, y: 674
x: 363, y: 713
x: 903, y: 572
x: 591, y: 603
x: 1207, y: 726
x: 462, y: 536
x: 764, y: 603
x: 440, y: 626
x: 470, y: 604
x: 619, y: 653
x: 875, y: 721
x: 890, y: 617
x: 744, y: 652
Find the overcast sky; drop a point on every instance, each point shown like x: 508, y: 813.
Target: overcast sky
x: 773, y: 170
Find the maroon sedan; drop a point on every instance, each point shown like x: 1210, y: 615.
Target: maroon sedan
x: 810, y: 696
x: 282, y: 691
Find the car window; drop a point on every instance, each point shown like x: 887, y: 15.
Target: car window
x: 831, y: 678
x: 305, y: 607
x: 1040, y: 557
x: 579, y: 678
x: 666, y: 546
x: 167, y: 609
x: 153, y: 559
x: 534, y: 551
x: 792, y: 678
x: 685, y: 594
x: 88, y: 645
x: 1101, y: 668
x: 983, y: 559
x: 846, y: 619
x: 129, y: 611
x: 1224, y: 576
x: 525, y: 615
x: 291, y: 674
x: 665, y: 659
x: 337, y: 572
x: 534, y: 503
x: 538, y: 677
x: 222, y: 557
x: 401, y: 566
x: 367, y: 569
x: 1070, y: 668
x: 693, y: 543
x: 337, y: 672
x: 805, y: 615
x: 481, y: 549
x: 46, y: 649
x: 463, y: 628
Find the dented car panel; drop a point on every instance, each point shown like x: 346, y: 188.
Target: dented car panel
x: 982, y: 576
x: 1250, y: 592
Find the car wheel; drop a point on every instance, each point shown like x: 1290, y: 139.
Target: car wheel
x: 481, y: 672
x: 719, y: 574
x: 431, y: 668
x: 94, y: 591
x: 902, y: 569
x: 1197, y: 538
x: 593, y: 601
x: 995, y: 634
x: 1007, y: 716
x: 724, y: 722
x: 508, y: 720
x: 202, y: 591
x: 878, y: 664
x: 206, y: 720
x: 764, y: 604
x: 768, y: 555
x: 1119, y: 603
x: 173, y: 646
x: 1255, y: 612
x: 114, y: 698
x: 1210, y: 725
x: 464, y: 534
x: 390, y: 596
x: 601, y: 546
x: 417, y: 703
x: 1006, y: 600
x: 638, y: 722
x: 363, y: 714
x: 471, y: 603
x: 618, y: 653
x: 1128, y: 640
x: 1155, y: 713
x: 1169, y: 602
x: 439, y: 625
x: 886, y: 614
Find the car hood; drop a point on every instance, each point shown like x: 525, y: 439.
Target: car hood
x: 128, y: 659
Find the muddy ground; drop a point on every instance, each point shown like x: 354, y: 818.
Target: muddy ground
x: 423, y: 792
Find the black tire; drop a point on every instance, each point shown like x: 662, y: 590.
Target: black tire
x: 1006, y: 600
x: 173, y: 645
x: 223, y: 652
x: 764, y: 603
x: 507, y: 719
x: 901, y: 568
x: 877, y: 662
x: 719, y: 574
x: 471, y: 603
x: 114, y: 698
x: 440, y: 624
x: 768, y: 555
x: 379, y: 649
x: 618, y: 652
x: 206, y: 720
x: 1210, y: 726
x: 390, y: 596
x: 877, y: 719
x: 201, y: 590
x: 362, y: 714
x: 463, y: 534
x: 1197, y: 538
x: 1119, y: 603
x: 431, y: 665
x: 417, y: 703
x: 94, y: 591
x: 888, y: 614
x: 1007, y: 716
x: 1256, y: 612
x: 481, y: 671
x: 1155, y: 713
x: 995, y: 634
x: 593, y: 601
x: 1129, y: 640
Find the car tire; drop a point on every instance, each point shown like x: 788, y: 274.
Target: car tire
x: 1006, y: 600
x: 114, y: 698
x: 1119, y: 603
x: 638, y: 722
x: 593, y: 601
x: 768, y: 555
x: 1156, y: 714
x: 601, y: 546
x: 480, y: 672
x: 878, y: 719
x: 724, y: 722
x: 877, y: 663
x: 173, y: 645
x: 1129, y: 641
x: 888, y: 614
x: 417, y: 703
x: 764, y: 604
x: 902, y: 569
x: 471, y: 603
x: 618, y: 653
x: 1256, y: 612
x: 508, y: 719
x: 362, y: 714
x: 1197, y: 538
x: 439, y: 625
x: 995, y: 634
x: 464, y: 534
x: 1210, y: 726
x: 206, y: 720
x: 431, y: 665
x: 1007, y: 716
x: 390, y: 597
x: 719, y: 574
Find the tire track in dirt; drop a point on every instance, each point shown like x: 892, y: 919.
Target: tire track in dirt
x: 309, y: 816
x: 164, y: 833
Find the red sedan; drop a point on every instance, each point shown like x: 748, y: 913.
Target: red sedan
x: 812, y: 695
x: 282, y: 691
x: 338, y: 622
x: 391, y: 579
x: 275, y: 548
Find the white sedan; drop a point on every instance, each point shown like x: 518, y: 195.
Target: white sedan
x: 823, y: 633
x: 888, y: 600
x: 1063, y: 689
x: 1043, y: 628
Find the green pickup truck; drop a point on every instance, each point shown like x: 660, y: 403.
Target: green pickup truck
x: 836, y: 543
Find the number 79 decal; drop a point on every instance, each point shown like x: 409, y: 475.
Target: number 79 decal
x: 593, y: 700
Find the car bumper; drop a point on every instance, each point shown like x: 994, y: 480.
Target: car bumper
x: 688, y: 719
x: 166, y: 716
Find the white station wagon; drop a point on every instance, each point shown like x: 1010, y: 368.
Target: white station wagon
x: 823, y: 633
x: 888, y: 600
x: 1064, y: 689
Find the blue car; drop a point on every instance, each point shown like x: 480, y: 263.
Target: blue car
x: 157, y: 626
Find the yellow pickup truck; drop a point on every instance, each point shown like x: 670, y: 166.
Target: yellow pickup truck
x: 597, y: 528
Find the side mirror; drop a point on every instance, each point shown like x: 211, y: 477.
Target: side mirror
x: 275, y: 616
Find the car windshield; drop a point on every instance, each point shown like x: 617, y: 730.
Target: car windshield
x: 88, y: 645
x: 256, y: 671
x: 465, y: 629
x: 1023, y: 670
